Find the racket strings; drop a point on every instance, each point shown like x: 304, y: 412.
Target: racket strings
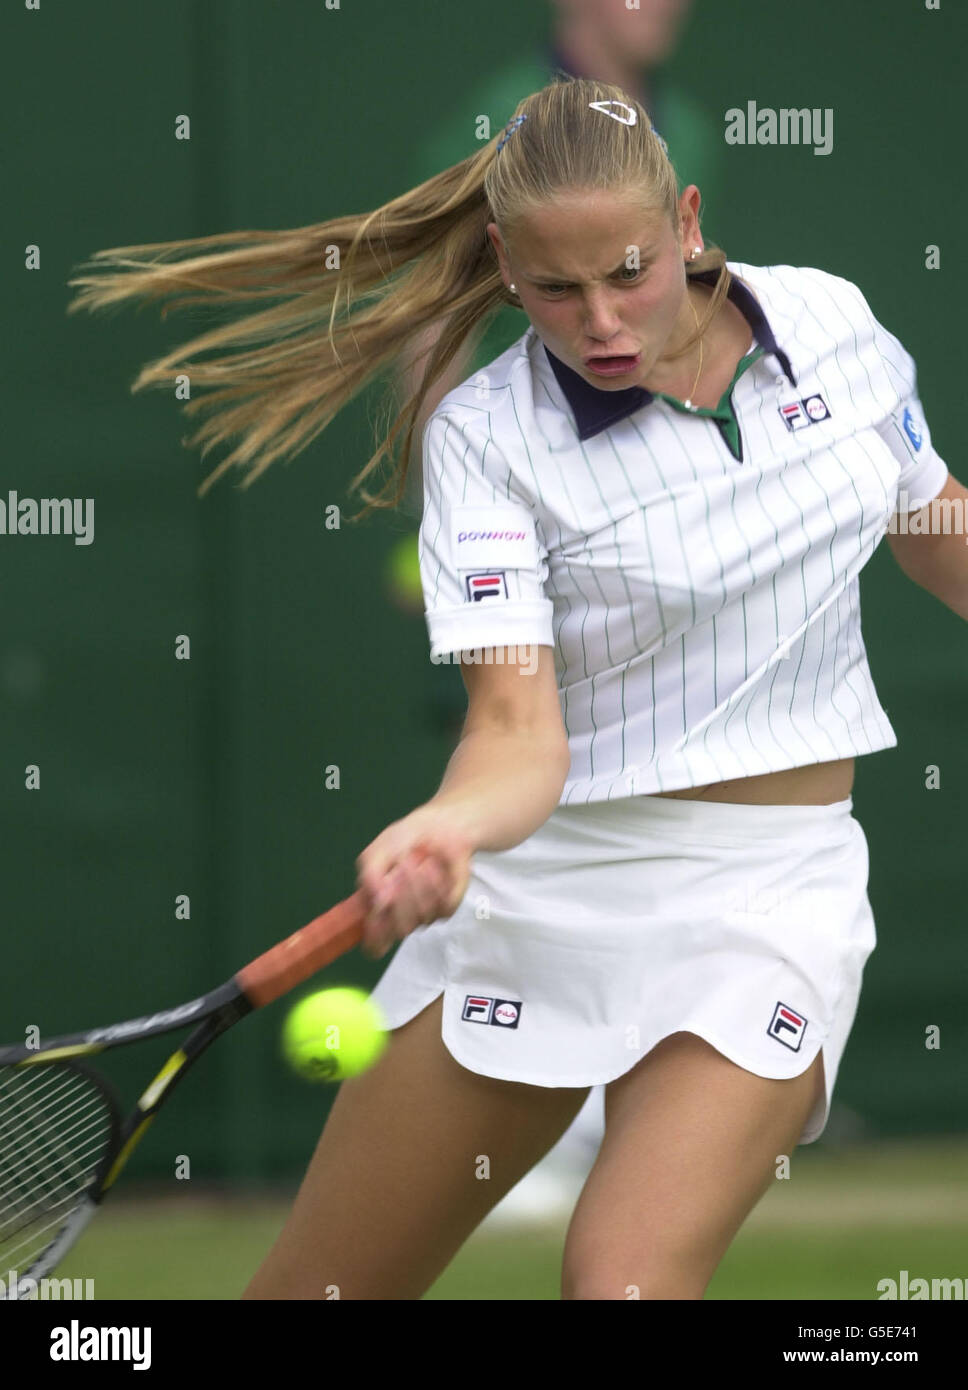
x: 56, y: 1125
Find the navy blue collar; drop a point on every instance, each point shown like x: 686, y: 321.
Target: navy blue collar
x: 595, y: 410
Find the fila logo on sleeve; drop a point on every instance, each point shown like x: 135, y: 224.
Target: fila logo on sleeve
x: 787, y: 1026
x: 480, y: 1008
x: 491, y: 585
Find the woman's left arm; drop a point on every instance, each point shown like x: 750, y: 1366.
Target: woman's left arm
x: 936, y: 557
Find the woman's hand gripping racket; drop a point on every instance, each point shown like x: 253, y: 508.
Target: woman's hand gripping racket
x: 62, y: 1139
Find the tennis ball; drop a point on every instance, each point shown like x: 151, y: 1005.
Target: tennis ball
x: 403, y: 574
x: 333, y: 1034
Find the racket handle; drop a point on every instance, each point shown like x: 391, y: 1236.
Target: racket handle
x: 288, y: 963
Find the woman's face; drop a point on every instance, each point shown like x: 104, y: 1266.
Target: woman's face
x: 602, y: 316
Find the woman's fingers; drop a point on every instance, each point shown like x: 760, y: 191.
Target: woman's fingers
x: 427, y: 884
x: 412, y: 874
x: 414, y: 892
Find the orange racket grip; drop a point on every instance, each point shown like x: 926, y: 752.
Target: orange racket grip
x: 287, y: 964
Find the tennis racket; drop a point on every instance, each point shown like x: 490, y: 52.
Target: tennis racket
x: 63, y: 1142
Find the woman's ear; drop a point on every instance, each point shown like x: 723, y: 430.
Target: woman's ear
x: 496, y: 240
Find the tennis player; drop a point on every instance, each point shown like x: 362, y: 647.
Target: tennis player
x: 647, y: 521
x: 643, y: 528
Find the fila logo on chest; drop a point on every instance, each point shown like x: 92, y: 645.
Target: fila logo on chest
x: 799, y: 414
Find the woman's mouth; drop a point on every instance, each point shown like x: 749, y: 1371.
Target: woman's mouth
x: 616, y: 365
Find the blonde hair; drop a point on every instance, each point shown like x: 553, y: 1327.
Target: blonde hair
x: 357, y: 290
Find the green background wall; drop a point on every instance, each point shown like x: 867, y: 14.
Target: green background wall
x: 206, y: 777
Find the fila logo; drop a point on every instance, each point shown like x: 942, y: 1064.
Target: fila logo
x: 490, y: 585
x: 787, y: 1026
x: 816, y: 407
x: 480, y: 1008
x: 797, y: 415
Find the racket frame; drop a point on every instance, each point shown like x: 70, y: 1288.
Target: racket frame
x: 277, y: 971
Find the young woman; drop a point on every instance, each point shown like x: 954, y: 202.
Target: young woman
x: 646, y: 522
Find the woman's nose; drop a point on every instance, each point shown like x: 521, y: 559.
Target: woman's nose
x: 601, y: 320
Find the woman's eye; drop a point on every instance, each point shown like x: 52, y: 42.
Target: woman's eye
x: 629, y: 271
x: 554, y: 289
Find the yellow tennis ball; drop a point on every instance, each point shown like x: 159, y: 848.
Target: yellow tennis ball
x: 403, y: 573
x: 334, y: 1034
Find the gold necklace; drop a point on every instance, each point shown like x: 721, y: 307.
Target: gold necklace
x: 688, y: 402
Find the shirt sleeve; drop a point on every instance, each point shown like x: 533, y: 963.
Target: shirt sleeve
x: 905, y: 430
x: 483, y: 562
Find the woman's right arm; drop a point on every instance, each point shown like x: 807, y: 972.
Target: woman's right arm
x: 503, y: 780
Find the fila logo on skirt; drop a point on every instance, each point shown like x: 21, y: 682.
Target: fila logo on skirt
x: 490, y: 585
x: 787, y: 1026
x: 479, y: 1008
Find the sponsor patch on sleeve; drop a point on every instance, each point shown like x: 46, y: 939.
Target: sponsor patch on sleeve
x: 490, y: 585
x: 913, y: 428
x: 498, y: 537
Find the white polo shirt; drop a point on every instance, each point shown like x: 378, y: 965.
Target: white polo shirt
x: 695, y: 571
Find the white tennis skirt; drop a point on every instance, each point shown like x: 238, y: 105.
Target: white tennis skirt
x: 619, y: 922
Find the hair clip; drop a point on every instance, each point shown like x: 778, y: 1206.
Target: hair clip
x: 630, y: 118
x: 603, y: 106
x: 510, y: 128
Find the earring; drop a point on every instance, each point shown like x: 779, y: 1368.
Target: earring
x: 513, y: 287
x: 696, y: 251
